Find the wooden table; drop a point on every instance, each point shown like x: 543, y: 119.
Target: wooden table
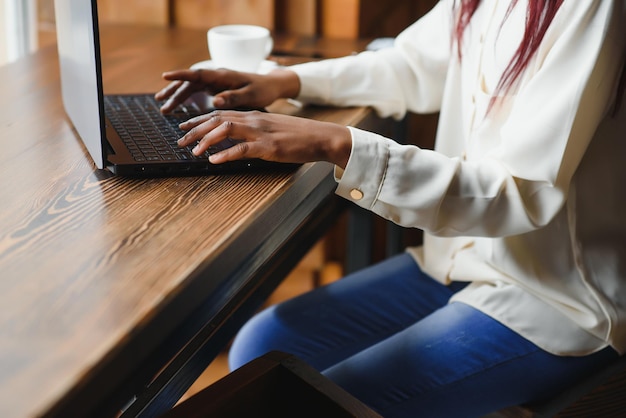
x: 112, y: 288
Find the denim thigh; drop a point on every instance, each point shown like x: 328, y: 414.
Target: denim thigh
x: 333, y: 322
x: 388, y: 336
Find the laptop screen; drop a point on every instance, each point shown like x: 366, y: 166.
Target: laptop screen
x: 79, y: 59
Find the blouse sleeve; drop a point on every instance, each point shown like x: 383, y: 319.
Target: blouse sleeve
x: 518, y: 169
x: 408, y: 76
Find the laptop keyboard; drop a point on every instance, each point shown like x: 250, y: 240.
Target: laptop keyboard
x: 148, y: 134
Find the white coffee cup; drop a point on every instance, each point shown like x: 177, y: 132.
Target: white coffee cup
x: 239, y: 47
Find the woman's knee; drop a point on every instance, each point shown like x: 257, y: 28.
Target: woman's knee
x: 256, y: 337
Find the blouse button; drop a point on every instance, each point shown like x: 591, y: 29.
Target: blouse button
x: 356, y: 194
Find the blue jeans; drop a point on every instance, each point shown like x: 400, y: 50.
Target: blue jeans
x: 388, y: 336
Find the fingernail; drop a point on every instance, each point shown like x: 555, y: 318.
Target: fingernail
x: 196, y: 150
x: 219, y: 101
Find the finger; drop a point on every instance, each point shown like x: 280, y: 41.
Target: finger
x: 185, y: 75
x: 239, y: 151
x: 204, y: 77
x: 216, y: 116
x: 233, y: 99
x: 191, y: 123
x: 218, y: 129
x: 212, y: 137
x: 167, y: 91
x: 220, y: 101
x: 245, y: 95
x: 199, y: 127
x: 178, y: 96
x: 184, y: 83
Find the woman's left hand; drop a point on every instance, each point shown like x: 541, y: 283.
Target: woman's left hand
x: 268, y: 136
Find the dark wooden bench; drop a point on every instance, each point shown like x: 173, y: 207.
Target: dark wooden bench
x: 274, y: 385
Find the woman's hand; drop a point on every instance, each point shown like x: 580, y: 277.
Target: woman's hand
x: 271, y: 137
x: 231, y: 89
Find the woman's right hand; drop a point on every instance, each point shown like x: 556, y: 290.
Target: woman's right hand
x: 230, y: 89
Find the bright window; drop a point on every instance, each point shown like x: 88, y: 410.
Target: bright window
x: 18, y: 29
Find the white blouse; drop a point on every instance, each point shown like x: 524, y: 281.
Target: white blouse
x: 526, y: 202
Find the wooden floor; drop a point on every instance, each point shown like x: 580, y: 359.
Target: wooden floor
x: 312, y: 271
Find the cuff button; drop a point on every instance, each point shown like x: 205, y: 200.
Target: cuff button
x: 356, y: 194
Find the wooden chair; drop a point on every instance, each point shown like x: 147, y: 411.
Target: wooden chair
x: 602, y: 395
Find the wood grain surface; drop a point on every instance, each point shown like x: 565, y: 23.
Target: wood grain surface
x: 89, y: 260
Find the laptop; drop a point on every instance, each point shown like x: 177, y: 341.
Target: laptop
x: 126, y: 134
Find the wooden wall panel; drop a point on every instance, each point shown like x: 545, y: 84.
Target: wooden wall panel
x: 340, y: 18
x: 369, y: 18
x: 203, y: 14
x: 154, y: 12
x: 297, y: 17
x: 347, y: 19
x: 377, y: 18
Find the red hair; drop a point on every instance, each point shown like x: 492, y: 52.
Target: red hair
x: 539, y: 15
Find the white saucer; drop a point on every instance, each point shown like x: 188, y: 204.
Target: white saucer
x: 265, y: 67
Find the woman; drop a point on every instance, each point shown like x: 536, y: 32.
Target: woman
x: 519, y: 288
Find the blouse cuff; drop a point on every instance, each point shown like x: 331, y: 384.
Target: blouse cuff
x: 364, y: 174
